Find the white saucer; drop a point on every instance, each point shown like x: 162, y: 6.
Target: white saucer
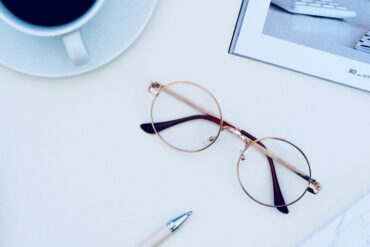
x: 111, y: 32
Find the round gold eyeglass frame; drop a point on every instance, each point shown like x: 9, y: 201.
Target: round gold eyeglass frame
x: 165, y: 88
x: 242, y: 156
x: 313, y: 186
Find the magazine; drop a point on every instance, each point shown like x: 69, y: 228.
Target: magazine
x: 349, y: 228
x: 329, y: 39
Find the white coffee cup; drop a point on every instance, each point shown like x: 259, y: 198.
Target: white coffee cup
x: 70, y: 33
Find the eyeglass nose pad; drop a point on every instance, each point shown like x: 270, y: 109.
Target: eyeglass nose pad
x: 208, y: 140
x: 242, y: 156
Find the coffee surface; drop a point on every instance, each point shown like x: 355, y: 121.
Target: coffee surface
x: 48, y: 12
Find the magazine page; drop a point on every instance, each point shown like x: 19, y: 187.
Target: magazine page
x: 350, y: 228
x: 329, y: 39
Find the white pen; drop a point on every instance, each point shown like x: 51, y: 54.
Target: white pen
x: 165, y: 231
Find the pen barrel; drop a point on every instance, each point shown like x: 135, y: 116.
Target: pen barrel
x: 156, y: 238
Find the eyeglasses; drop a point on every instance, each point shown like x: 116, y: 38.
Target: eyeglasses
x: 271, y: 171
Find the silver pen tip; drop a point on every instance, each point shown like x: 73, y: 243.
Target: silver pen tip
x: 175, y: 223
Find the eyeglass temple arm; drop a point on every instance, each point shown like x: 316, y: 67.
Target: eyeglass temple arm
x: 314, y: 186
x: 160, y: 126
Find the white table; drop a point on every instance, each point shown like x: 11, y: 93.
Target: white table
x: 76, y: 170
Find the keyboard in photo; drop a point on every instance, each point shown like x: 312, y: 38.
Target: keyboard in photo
x: 364, y: 43
x: 322, y: 8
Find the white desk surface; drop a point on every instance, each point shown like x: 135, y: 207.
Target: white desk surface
x: 332, y: 35
x: 76, y: 170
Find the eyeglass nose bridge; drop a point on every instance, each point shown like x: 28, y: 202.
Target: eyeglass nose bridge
x: 237, y: 132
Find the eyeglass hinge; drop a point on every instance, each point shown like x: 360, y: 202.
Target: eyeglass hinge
x: 155, y: 88
x: 314, y: 187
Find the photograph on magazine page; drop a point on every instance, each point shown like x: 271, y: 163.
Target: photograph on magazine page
x: 340, y: 27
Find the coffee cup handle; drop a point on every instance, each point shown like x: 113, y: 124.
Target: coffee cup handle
x: 76, y: 48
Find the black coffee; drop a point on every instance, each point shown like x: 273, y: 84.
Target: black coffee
x: 48, y: 12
